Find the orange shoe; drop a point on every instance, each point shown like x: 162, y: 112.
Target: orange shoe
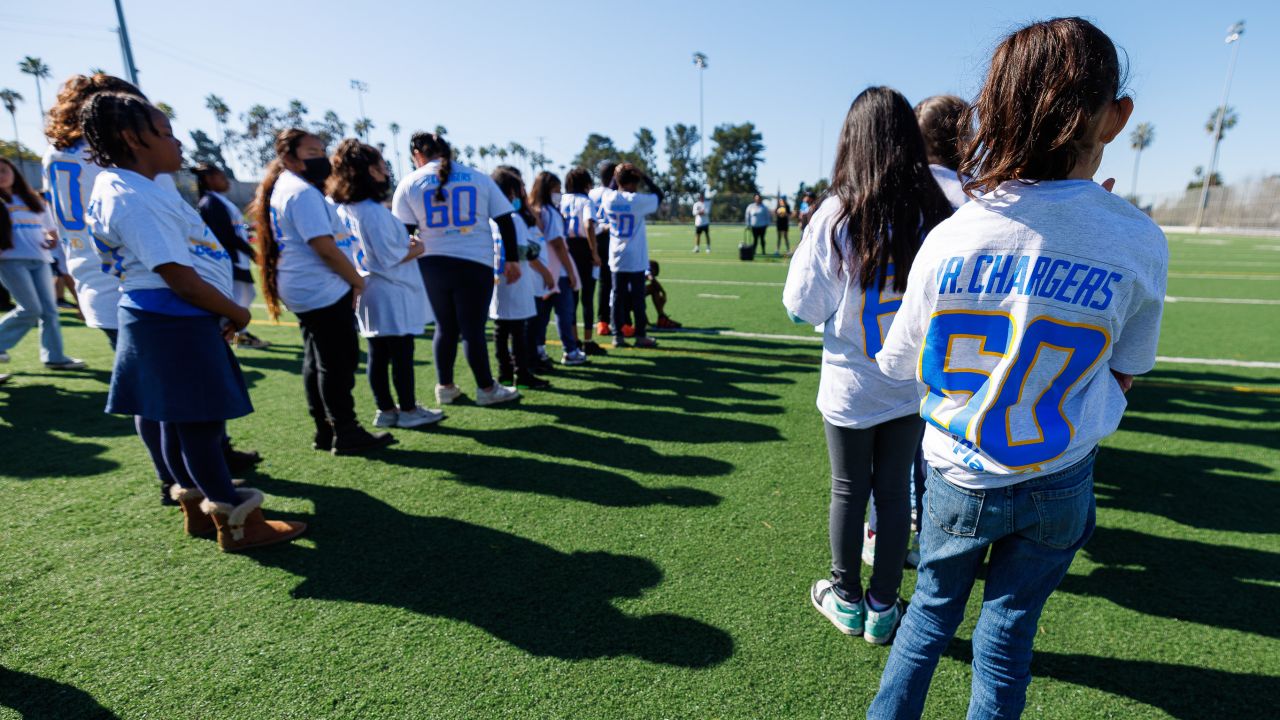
x: 628, y: 331
x: 602, y: 329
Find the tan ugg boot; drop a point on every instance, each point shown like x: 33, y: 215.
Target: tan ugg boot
x: 194, y: 520
x: 242, y: 527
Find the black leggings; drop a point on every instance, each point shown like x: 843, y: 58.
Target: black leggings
x: 580, y: 251
x: 459, y: 291
x: 512, y: 346
x: 757, y: 236
x: 395, y: 352
x: 880, y: 458
x: 331, y: 356
x: 606, y: 280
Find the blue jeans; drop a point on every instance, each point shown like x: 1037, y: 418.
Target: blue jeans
x: 1033, y: 530
x: 563, y: 305
x: 31, y: 284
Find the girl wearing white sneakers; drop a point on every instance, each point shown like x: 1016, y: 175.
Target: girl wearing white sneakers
x: 393, y: 308
x: 848, y: 274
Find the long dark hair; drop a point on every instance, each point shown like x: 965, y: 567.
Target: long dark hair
x: 351, y: 181
x: 888, y: 198
x: 287, y: 143
x: 511, y: 184
x: 29, y: 197
x: 433, y: 146
x: 1045, y: 84
x: 202, y: 171
x: 577, y: 181
x: 942, y: 123
x: 540, y: 194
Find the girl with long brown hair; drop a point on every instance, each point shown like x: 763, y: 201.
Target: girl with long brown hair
x: 26, y: 238
x: 544, y: 201
x: 303, y: 252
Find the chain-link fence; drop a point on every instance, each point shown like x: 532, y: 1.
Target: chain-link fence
x: 1251, y: 204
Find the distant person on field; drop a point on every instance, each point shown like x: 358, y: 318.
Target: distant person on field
x: 604, y: 312
x: 625, y: 210
x: 701, y: 223
x: 658, y: 294
x: 757, y: 218
x: 227, y: 225
x: 808, y: 204
x: 942, y: 123
x: 783, y: 215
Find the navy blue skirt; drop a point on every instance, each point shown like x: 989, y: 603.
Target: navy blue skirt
x: 173, y: 368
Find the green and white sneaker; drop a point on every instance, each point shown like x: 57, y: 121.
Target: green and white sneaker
x: 847, y: 619
x: 880, y: 626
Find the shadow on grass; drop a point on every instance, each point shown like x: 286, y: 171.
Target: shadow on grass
x: 1183, y: 691
x: 1200, y: 491
x: 569, y: 445
x: 1221, y: 416
x: 1168, y: 578
x: 28, y: 410
x: 533, y: 596
x: 555, y: 479
x: 658, y: 425
x: 37, y: 698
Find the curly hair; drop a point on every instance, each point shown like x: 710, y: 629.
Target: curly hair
x: 350, y: 181
x: 63, y: 126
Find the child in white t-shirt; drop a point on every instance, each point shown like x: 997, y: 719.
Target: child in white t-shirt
x: 1026, y: 316
x: 544, y: 201
x: 393, y: 308
x: 514, y: 304
x: 176, y: 315
x: 625, y: 210
x: 701, y: 223
x: 848, y: 275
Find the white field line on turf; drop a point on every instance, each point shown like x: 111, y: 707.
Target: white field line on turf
x: 1169, y: 360
x: 688, y: 281
x: 1223, y: 276
x: 719, y: 297
x: 1221, y: 301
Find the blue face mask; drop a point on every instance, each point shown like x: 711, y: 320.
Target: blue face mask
x: 516, y: 203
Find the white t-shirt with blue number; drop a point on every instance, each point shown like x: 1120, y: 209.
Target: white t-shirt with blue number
x: 625, y: 212
x: 300, y: 214
x: 458, y: 225
x: 1017, y: 309
x: 852, y: 391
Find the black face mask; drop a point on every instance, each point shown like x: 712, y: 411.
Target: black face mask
x: 383, y: 189
x: 316, y: 170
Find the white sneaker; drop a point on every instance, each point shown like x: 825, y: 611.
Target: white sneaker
x: 4, y: 357
x: 498, y: 394
x: 418, y: 417
x: 577, y: 357
x: 385, y: 418
x: 446, y: 394
x: 708, y: 249
x: 868, y: 546
x: 68, y: 364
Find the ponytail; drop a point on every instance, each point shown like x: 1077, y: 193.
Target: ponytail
x: 432, y: 146
x: 269, y: 258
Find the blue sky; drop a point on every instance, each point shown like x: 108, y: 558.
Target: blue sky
x: 493, y: 72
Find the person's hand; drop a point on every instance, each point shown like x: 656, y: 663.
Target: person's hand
x: 239, y: 320
x: 416, y: 248
x: 511, y: 271
x: 228, y: 333
x: 50, y: 240
x: 1124, y: 379
x: 548, y: 281
x: 595, y: 259
x: 574, y: 283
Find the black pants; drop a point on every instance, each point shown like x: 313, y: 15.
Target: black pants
x: 757, y: 237
x: 459, y: 291
x: 394, y: 352
x: 330, y: 356
x: 628, y: 297
x: 878, y: 458
x: 698, y: 232
x: 513, y: 347
x: 580, y: 251
x: 606, y: 280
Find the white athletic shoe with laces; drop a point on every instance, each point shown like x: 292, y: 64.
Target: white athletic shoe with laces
x: 385, y: 418
x: 497, y: 394
x: 446, y: 394
x: 418, y: 417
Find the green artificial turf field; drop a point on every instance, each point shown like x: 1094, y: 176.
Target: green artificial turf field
x: 637, y: 542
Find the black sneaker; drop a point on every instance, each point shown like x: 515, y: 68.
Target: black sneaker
x: 240, y: 461
x: 543, y: 365
x: 354, y: 440
x: 529, y: 381
x: 591, y: 347
x: 323, y: 440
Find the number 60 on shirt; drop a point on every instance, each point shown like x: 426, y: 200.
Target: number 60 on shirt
x: 1013, y: 410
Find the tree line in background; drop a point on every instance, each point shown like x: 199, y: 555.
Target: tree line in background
x: 729, y: 171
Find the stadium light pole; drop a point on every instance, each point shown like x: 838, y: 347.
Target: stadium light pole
x: 700, y: 62
x: 1233, y: 38
x: 361, y: 88
x: 126, y: 48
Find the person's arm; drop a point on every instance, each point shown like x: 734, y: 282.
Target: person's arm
x: 561, y: 249
x: 591, y: 237
x: 337, y: 261
x: 218, y: 220
x: 510, y: 246
x: 654, y: 187
x: 186, y: 284
x: 548, y: 282
x: 416, y: 248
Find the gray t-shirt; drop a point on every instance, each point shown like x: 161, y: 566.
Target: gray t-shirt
x: 757, y: 215
x: 1017, y: 308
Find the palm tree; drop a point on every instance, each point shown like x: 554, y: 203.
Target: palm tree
x: 395, y: 142
x: 168, y: 110
x: 1229, y: 120
x: 36, y: 68
x: 469, y: 152
x: 518, y: 151
x: 221, y: 111
x: 483, y: 152
x: 11, y: 98
x: 362, y: 128
x: 441, y: 131
x: 1140, y: 139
